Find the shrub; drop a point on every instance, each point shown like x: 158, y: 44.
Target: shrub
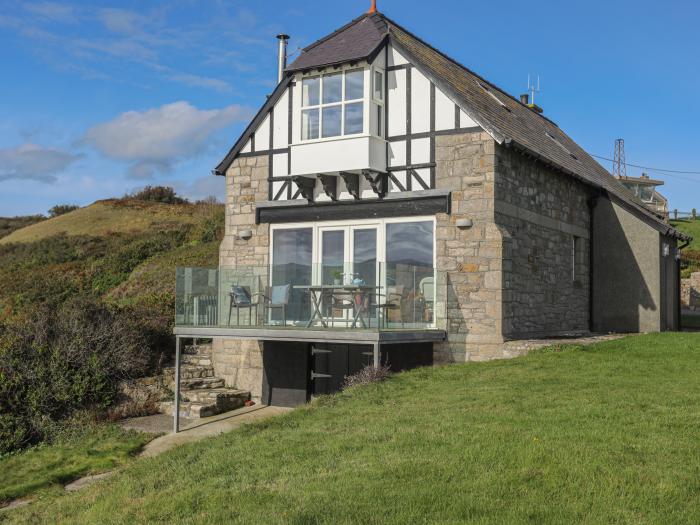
x: 164, y: 194
x: 367, y: 375
x: 60, y: 362
x: 61, y: 209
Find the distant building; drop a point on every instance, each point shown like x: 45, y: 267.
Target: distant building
x: 644, y: 188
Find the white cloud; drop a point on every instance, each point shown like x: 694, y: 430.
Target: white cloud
x: 34, y: 162
x: 121, y: 20
x: 153, y: 141
x: 53, y: 11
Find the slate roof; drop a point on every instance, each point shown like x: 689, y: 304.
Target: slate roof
x: 355, y: 41
x: 508, y: 120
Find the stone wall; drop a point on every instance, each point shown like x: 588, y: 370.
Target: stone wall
x: 239, y: 362
x: 690, y: 292
x: 545, y: 277
x: 471, y: 257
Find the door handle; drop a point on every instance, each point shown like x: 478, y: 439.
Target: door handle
x: 314, y: 375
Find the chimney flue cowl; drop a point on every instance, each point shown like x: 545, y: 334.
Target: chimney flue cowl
x: 525, y: 99
x: 282, y: 56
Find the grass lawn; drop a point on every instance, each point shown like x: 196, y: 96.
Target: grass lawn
x: 691, y: 228
x: 98, y: 449
x: 604, y: 434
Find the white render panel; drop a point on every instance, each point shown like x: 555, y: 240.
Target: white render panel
x: 262, y: 135
x: 444, y: 111
x: 420, y: 102
x: 397, y: 153
x: 246, y: 148
x: 397, y: 103
x: 401, y: 177
x: 396, y: 58
x: 420, y: 151
x: 279, y: 138
x: 276, y: 187
x: 279, y: 165
x: 424, y: 174
x: 332, y: 156
x: 465, y: 121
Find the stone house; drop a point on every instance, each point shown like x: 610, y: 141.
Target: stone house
x: 388, y: 205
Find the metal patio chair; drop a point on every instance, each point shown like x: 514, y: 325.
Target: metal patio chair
x: 241, y: 298
x: 276, y: 297
x: 391, y: 301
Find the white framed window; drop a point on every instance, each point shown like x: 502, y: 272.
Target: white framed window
x: 332, y: 105
x: 377, y: 118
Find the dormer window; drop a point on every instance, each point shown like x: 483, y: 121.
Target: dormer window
x: 377, y: 118
x: 333, y: 105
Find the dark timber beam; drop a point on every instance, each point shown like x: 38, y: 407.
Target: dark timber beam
x: 330, y: 185
x: 306, y: 187
x: 379, y: 182
x: 352, y: 183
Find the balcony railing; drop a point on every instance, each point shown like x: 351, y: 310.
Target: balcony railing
x: 366, y: 296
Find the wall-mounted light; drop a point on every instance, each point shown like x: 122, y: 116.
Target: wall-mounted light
x: 245, y: 235
x: 464, y: 224
x: 666, y: 250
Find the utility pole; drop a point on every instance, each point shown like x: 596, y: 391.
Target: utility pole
x: 619, y: 164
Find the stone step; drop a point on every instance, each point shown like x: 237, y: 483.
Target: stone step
x: 189, y: 372
x: 201, y: 383
x: 207, y: 402
x: 195, y: 359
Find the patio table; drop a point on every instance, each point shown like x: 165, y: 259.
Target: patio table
x: 317, y: 291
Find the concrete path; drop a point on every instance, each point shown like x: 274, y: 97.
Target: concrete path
x: 197, y: 429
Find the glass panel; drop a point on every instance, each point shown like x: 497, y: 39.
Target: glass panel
x: 292, y: 259
x: 378, y: 120
x: 332, y: 88
x: 332, y: 256
x: 331, y: 121
x: 355, y: 84
x: 310, y: 89
x: 378, y: 85
x: 365, y: 256
x: 354, y: 118
x: 309, y: 124
x: 409, y: 269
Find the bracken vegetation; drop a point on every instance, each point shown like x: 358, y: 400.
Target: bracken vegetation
x: 81, y: 312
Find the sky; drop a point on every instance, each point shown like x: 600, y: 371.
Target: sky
x: 100, y: 98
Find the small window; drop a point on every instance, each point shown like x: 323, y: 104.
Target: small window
x: 378, y: 91
x: 311, y: 90
x: 577, y: 253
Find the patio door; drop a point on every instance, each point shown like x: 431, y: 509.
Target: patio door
x: 347, y: 255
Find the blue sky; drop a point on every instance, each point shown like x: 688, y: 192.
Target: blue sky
x: 102, y: 98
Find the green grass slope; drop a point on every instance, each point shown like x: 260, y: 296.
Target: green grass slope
x: 691, y: 228
x: 603, y: 434
x: 108, y: 217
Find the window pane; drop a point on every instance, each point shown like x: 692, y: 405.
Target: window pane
x: 331, y: 121
x: 310, y: 91
x: 332, y: 88
x: 354, y: 118
x: 378, y: 85
x: 410, y: 243
x: 291, y: 264
x: 354, y: 84
x: 332, y: 256
x: 309, y: 124
x: 378, y: 120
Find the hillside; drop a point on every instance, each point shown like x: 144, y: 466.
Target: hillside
x: 11, y: 224
x: 87, y: 299
x: 691, y: 228
x: 109, y: 217
x: 603, y: 434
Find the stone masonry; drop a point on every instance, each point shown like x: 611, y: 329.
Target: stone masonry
x: 690, y: 292
x: 545, y: 278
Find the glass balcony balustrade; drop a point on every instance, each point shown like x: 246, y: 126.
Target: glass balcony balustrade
x: 370, y: 297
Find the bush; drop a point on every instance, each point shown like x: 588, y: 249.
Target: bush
x: 60, y: 362
x: 61, y: 209
x: 367, y: 375
x: 164, y: 194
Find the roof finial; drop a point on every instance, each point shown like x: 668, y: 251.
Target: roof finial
x: 373, y: 8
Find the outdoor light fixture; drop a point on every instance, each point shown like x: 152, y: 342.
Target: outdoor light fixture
x: 666, y: 250
x: 464, y: 224
x: 245, y: 235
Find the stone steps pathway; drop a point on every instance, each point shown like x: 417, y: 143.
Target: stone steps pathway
x: 202, y: 393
